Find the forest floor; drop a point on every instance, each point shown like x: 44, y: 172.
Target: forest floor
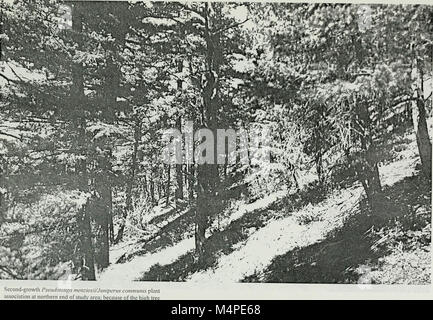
x: 300, y: 237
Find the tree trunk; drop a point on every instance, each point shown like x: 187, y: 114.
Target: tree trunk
x: 130, y: 185
x: 319, y: 152
x: 2, y: 207
x: 159, y: 186
x: 366, y: 167
x: 145, y: 193
x: 207, y: 174
x: 112, y: 77
x: 421, y: 128
x: 167, y: 190
x: 423, y: 140
x: 112, y: 235
x: 319, y: 168
x: 77, y: 94
x: 2, y: 192
x: 152, y: 189
x: 191, y: 179
x: 88, y: 259
x: 103, y: 211
x: 368, y: 175
x: 179, y: 173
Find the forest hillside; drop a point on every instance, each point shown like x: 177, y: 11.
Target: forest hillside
x: 215, y: 141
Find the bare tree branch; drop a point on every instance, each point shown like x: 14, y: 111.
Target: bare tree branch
x: 231, y: 26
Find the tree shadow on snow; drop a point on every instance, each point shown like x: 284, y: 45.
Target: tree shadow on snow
x: 226, y: 241
x: 335, y: 259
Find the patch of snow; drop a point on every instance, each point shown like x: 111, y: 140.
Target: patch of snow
x: 284, y: 235
x: 132, y: 270
x: 118, y: 250
x: 389, y: 175
x: 277, y: 238
x: 256, y: 205
x: 155, y: 212
x: 400, y: 169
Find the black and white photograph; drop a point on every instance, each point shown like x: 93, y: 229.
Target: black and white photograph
x: 216, y: 142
